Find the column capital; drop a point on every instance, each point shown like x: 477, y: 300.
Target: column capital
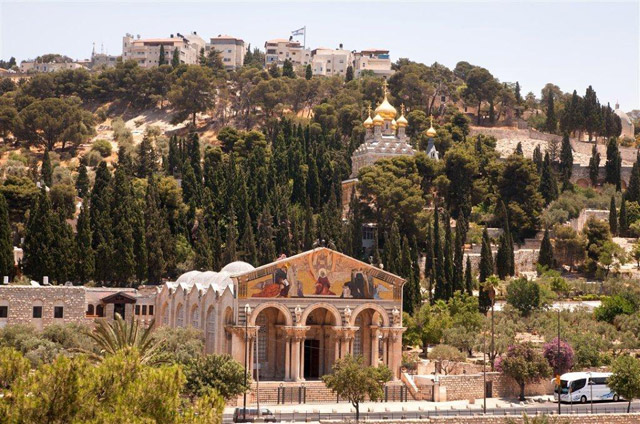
x: 238, y: 330
x: 346, y: 333
x: 392, y: 333
x: 296, y: 332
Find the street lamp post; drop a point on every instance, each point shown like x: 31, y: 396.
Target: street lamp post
x: 484, y: 372
x: 247, y: 311
x: 558, y: 364
x: 591, y: 390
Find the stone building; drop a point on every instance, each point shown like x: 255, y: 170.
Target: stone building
x: 278, y: 50
x: 231, y: 49
x: 628, y: 130
x: 146, y: 52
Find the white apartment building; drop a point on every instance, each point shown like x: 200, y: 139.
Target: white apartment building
x: 279, y: 50
x: 331, y: 62
x: 147, y: 51
x: 232, y: 50
x: 374, y: 60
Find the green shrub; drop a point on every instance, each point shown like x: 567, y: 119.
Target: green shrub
x: 103, y: 147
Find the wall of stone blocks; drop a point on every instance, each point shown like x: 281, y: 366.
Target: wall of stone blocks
x: 564, y: 419
x: 470, y: 386
x: 20, y: 301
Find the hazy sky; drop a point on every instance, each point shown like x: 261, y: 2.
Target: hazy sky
x: 572, y: 44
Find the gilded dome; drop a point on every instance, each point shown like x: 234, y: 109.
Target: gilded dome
x: 402, y: 121
x: 394, y: 124
x: 378, y: 120
x: 385, y: 110
x: 368, y: 122
x: 431, y: 132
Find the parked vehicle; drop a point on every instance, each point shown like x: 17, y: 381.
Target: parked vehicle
x: 252, y: 416
x: 583, y: 387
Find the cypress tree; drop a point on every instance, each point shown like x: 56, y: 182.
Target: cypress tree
x: 6, y: 244
x: 468, y: 278
x: 147, y: 158
x: 537, y: 158
x: 594, y: 165
x: 39, y: 257
x: 101, y: 223
x: 440, y: 291
x: 267, y: 252
x: 308, y: 229
x: 190, y: 188
x: 349, y: 74
x: 566, y: 161
x: 458, y: 262
x: 355, y: 227
x: 612, y: 165
x: 308, y: 73
x: 85, y: 259
x: 506, y: 229
x: 518, y: 150
x: 204, y: 254
x: 287, y: 69
x: 551, y: 123
x: 448, y: 256
x: 63, y: 249
x: 393, y: 251
x: 545, y: 257
x: 249, y: 248
x: 139, y: 241
x: 633, y: 190
x: 502, y: 258
x: 613, y: 217
x: 486, y: 270
x: 173, y: 157
x: 548, y: 184
x: 156, y: 231
x: 623, y: 224
x: 46, y: 173
x: 82, y: 182
x: 124, y: 263
x: 162, y: 60
x: 429, y: 265
x: 409, y: 295
x: 175, y: 60
x: 231, y: 242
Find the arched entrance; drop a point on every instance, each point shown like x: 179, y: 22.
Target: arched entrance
x: 366, y: 341
x: 319, y: 346
x: 270, y: 347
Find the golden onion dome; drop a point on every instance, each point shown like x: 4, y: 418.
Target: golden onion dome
x: 368, y: 123
x: 402, y: 121
x: 378, y: 120
x: 386, y: 110
x: 431, y: 132
x: 394, y: 124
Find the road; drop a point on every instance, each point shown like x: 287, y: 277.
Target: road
x: 531, y: 409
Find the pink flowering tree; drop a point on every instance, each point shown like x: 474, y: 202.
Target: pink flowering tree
x: 560, y: 360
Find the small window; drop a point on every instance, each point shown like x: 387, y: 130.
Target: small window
x: 90, y: 310
x: 4, y: 311
x: 150, y: 309
x: 37, y: 311
x: 144, y: 309
x: 58, y: 312
x: 137, y: 309
x: 100, y: 310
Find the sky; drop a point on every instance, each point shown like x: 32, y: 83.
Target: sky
x: 572, y: 44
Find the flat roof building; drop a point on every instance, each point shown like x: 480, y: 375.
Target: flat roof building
x: 374, y: 60
x: 147, y: 51
x: 279, y: 50
x: 231, y: 49
x: 330, y: 62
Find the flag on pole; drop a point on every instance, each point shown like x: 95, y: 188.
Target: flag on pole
x: 300, y: 31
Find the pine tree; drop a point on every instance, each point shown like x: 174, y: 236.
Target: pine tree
x: 548, y: 184
x: 162, y: 60
x: 349, y: 74
x: 545, y: 257
x: 440, y: 290
x: 175, y: 60
x: 6, y: 244
x: 551, y: 123
x: 633, y: 190
x: 308, y: 72
x: 486, y: 270
x: 39, y: 258
x: 85, y: 259
x: 231, y: 241
x: 82, y: 182
x: 566, y: 161
x: 623, y: 224
x: 46, y: 173
x: 468, y: 278
x: 537, y: 158
x: 613, y: 217
x: 594, y: 165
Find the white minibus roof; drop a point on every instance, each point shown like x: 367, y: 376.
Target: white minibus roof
x: 572, y: 376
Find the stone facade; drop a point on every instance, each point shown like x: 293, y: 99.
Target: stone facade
x: 633, y: 418
x: 469, y: 386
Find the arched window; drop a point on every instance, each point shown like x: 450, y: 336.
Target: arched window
x: 357, y: 340
x: 165, y: 314
x: 90, y: 310
x: 211, y: 330
x: 100, y: 310
x: 195, y: 317
x: 262, y: 323
x: 179, y: 316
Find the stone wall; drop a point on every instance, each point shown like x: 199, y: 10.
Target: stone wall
x: 564, y: 419
x: 21, y: 300
x: 525, y: 259
x: 466, y: 386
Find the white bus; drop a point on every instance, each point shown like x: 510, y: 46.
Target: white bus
x: 578, y: 387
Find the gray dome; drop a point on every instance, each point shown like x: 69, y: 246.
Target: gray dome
x: 237, y: 267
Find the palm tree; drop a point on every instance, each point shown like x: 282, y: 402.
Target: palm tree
x: 492, y: 285
x: 118, y: 335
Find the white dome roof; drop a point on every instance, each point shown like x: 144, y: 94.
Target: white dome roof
x: 237, y: 267
x: 204, y: 279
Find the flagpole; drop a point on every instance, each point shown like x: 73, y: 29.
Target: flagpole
x: 304, y: 42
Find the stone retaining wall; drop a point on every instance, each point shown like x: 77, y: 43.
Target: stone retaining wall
x: 466, y: 386
x: 564, y: 419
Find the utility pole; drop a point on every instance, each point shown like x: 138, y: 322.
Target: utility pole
x: 247, y: 310
x: 484, y: 372
x: 559, y: 384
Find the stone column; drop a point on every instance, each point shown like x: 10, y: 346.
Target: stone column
x: 395, y: 350
x: 296, y: 335
x: 374, y: 345
x: 238, y: 345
